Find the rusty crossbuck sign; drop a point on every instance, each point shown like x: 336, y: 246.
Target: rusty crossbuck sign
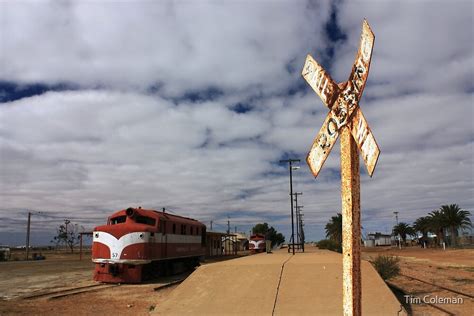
x: 346, y: 119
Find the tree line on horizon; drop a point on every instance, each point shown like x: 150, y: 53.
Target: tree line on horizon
x: 448, y: 218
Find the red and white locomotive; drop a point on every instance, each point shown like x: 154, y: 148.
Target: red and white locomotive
x: 257, y: 243
x: 137, y: 243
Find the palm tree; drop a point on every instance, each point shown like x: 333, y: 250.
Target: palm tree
x: 334, y: 228
x: 422, y: 225
x: 455, y: 218
x: 437, y: 225
x: 403, y: 229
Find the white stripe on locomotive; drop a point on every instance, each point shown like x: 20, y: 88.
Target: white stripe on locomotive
x: 258, y: 243
x: 116, y: 246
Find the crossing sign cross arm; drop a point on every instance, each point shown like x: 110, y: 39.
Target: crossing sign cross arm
x: 322, y: 144
x: 320, y: 81
x: 361, y: 66
x: 365, y: 140
x: 345, y: 119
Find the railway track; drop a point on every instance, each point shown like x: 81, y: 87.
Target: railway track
x: 166, y: 285
x: 439, y: 286
x: 433, y: 291
x: 51, y: 295
x: 69, y: 292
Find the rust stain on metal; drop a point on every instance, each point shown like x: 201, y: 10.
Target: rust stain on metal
x: 360, y: 69
x: 346, y: 119
x: 320, y: 81
x: 322, y: 144
x: 365, y: 141
x: 343, y: 100
x: 350, y: 193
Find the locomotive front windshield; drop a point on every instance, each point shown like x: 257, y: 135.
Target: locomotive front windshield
x: 118, y: 220
x: 137, y: 219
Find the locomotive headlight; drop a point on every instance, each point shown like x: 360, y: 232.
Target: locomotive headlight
x: 141, y: 236
x: 96, y: 235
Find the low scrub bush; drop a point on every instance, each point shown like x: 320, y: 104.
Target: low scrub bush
x: 329, y: 245
x: 387, y: 266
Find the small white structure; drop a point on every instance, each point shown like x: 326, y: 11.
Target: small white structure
x: 378, y: 239
x: 369, y: 243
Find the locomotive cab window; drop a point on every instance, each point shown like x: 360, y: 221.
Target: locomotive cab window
x: 118, y: 220
x: 145, y: 220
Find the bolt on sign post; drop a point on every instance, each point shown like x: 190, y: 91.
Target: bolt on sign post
x: 345, y: 119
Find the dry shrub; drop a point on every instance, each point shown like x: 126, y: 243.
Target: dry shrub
x: 387, y: 266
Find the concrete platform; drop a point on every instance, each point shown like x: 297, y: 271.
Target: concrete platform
x: 307, y: 283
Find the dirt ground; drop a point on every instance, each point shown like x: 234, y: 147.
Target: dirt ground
x: 448, y: 257
x: 19, y: 279
x: 452, y: 269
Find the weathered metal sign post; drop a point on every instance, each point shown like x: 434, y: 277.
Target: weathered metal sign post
x: 346, y: 119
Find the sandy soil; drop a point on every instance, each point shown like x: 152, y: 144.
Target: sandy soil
x: 453, y: 269
x: 449, y: 257
x: 121, y: 300
x: 19, y: 279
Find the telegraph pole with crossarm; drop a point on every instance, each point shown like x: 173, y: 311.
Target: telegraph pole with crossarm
x: 291, y: 168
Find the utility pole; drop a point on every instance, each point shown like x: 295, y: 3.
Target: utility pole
x: 28, y: 236
x: 300, y: 223
x: 28, y: 228
x: 298, y: 237
x: 398, y: 236
x: 290, y: 167
x: 228, y: 225
x: 235, y: 229
x: 302, y: 231
x: 211, y: 226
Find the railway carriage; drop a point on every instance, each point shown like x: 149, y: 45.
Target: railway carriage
x: 137, y: 243
x: 257, y: 243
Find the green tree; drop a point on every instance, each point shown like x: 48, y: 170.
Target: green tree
x: 67, y: 234
x: 276, y: 237
x: 334, y: 229
x: 404, y: 230
x: 422, y: 225
x: 454, y: 218
x: 330, y: 245
x: 437, y: 225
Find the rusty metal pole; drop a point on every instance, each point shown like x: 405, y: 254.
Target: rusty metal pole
x: 350, y: 192
x: 346, y: 119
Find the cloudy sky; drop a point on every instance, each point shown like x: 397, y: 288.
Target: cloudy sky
x: 191, y: 105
